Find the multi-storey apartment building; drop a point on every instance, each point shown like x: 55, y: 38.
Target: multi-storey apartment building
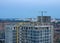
x: 3, y: 22
x: 30, y: 32
x: 12, y: 33
x: 37, y: 34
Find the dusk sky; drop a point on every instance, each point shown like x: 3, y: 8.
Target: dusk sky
x: 29, y: 8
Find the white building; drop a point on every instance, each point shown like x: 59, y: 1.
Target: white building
x: 10, y: 34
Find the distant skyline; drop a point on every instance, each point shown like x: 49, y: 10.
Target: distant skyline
x: 29, y: 8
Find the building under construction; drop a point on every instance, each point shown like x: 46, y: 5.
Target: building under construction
x: 40, y: 31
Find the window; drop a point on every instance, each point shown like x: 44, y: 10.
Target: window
x: 46, y: 36
x: 36, y: 28
x: 14, y: 28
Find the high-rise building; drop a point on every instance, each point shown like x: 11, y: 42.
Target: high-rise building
x: 37, y: 34
x: 3, y: 22
x: 9, y: 34
x: 29, y: 32
x: 12, y: 33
